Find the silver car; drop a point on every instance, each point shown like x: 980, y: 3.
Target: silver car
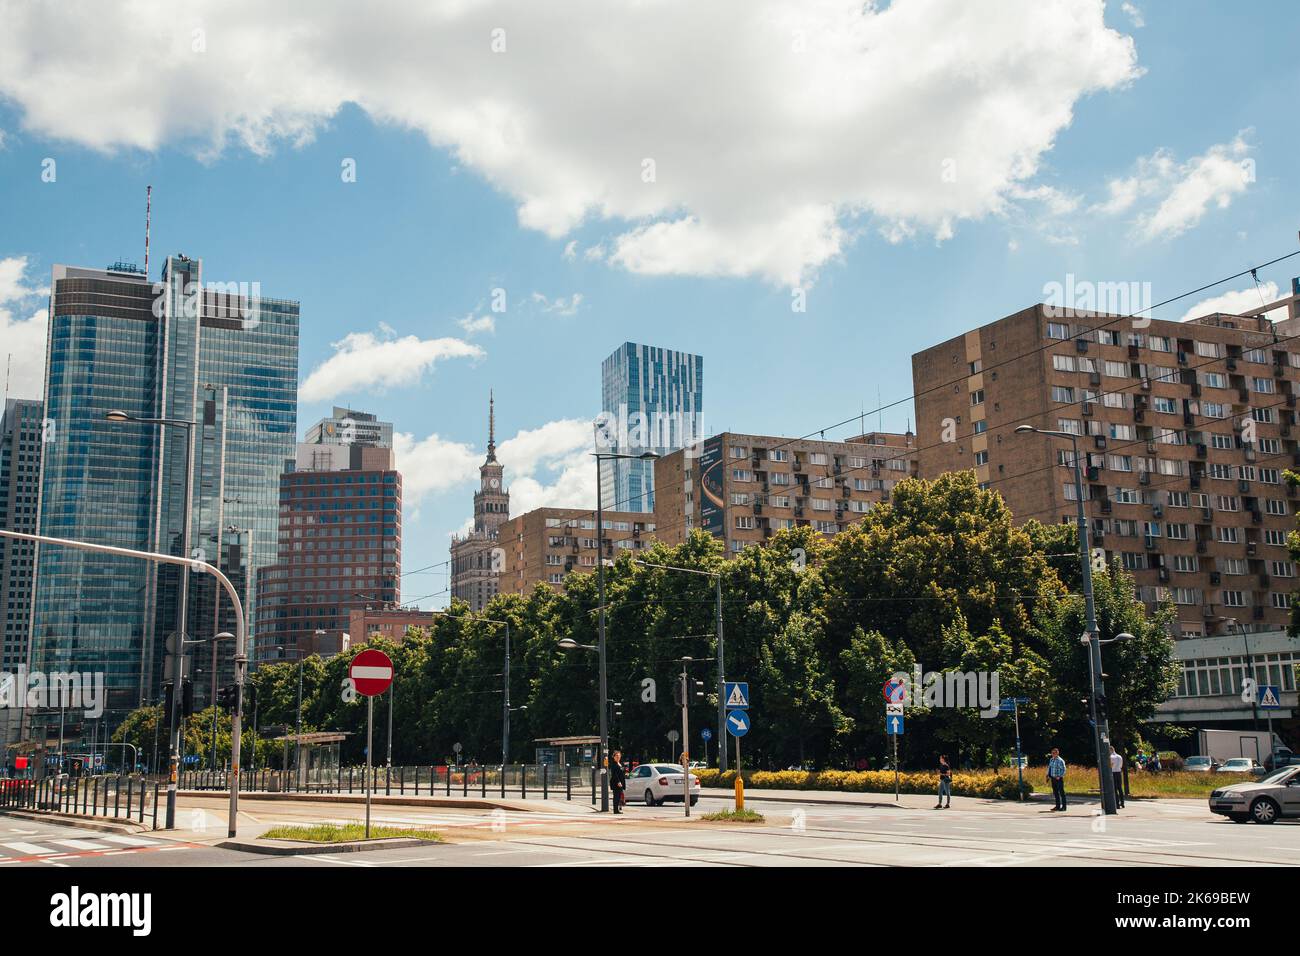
x: 1264, y: 801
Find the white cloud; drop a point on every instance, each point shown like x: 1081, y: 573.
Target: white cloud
x: 363, y: 361
x: 1234, y: 303
x: 1133, y: 13
x: 1183, y: 192
x: 571, y: 250
x: 560, y: 305
x: 546, y: 466
x: 22, y: 330
x: 780, y: 126
x: 473, y: 326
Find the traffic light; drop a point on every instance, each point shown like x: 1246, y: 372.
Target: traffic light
x: 615, y: 709
x: 226, y: 697
x: 694, y: 687
x: 187, y: 698
x: 1101, y: 707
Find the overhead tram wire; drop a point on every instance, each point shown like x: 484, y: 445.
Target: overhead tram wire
x: 1052, y: 344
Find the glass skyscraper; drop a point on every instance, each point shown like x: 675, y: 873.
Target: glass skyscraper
x: 652, y: 400
x: 218, y: 354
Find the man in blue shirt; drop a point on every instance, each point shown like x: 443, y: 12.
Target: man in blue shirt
x: 1056, y: 774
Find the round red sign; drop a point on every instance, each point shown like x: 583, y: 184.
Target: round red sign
x: 371, y: 672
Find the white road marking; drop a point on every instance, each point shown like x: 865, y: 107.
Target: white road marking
x: 80, y: 844
x: 128, y: 841
x: 30, y: 849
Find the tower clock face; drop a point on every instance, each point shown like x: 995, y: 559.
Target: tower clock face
x: 494, y: 482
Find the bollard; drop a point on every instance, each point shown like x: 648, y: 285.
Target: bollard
x: 401, y: 781
x: 503, y: 781
x: 448, y: 769
x: 464, y: 782
x: 130, y: 790
x: 740, y: 793
x: 117, y: 797
x: 568, y: 782
x: 546, y: 790
x: 593, y: 785
x: 94, y: 810
x: 155, y: 805
x: 523, y: 781
x: 142, y: 795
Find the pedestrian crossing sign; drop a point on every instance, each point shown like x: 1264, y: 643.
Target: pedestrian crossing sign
x: 737, y: 694
x: 1270, y: 696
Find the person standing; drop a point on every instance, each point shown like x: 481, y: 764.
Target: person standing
x: 945, y: 783
x: 1056, y: 774
x: 617, y: 780
x: 1117, y: 773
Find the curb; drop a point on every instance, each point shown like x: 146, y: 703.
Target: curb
x: 291, y: 848
x: 84, y: 821
x: 471, y: 803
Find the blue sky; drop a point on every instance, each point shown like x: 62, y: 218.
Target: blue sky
x: 1118, y: 176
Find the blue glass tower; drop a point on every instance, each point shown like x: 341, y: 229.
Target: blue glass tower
x: 652, y: 400
x: 218, y: 354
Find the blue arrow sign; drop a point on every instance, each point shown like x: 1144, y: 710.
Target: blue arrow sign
x: 706, y: 733
x: 737, y: 693
x: 737, y: 723
x: 894, y: 725
x: 1270, y: 697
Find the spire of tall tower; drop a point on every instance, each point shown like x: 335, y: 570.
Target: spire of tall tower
x: 492, y: 427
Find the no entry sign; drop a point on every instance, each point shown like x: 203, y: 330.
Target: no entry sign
x: 371, y: 672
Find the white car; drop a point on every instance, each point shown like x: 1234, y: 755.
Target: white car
x: 653, y: 783
x: 1237, y: 765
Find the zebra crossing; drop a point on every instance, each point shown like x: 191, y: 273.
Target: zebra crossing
x: 53, y: 846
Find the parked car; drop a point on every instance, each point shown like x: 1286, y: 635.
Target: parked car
x: 1237, y: 765
x: 1264, y: 801
x: 655, y: 783
x: 1200, y: 764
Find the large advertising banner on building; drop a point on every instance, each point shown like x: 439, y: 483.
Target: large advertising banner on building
x: 713, y: 513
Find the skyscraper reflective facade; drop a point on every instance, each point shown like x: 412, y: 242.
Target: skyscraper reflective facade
x: 217, y: 354
x: 652, y: 399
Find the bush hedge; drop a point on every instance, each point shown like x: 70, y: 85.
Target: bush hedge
x: 987, y: 785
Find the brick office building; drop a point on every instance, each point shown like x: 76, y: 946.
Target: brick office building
x: 743, y: 488
x: 340, y: 547
x: 543, y: 545
x: 1186, y: 427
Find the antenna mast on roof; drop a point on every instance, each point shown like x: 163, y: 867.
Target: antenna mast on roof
x: 148, y: 209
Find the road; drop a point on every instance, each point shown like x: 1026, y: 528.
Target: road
x: 972, y: 833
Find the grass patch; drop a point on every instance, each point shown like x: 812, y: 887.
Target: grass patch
x: 333, y: 833
x: 1141, y: 783
x: 739, y: 816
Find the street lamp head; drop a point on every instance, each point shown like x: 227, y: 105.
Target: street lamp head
x: 648, y: 456
x: 568, y: 644
x: 224, y: 636
x: 1125, y: 636
x: 1025, y: 429
x: 117, y: 415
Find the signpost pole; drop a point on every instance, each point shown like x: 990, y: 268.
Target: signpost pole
x: 895, y: 736
x: 1020, y: 772
x: 370, y: 737
x: 686, y: 743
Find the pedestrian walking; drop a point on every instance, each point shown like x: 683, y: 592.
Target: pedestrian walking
x: 945, y: 783
x: 1056, y: 774
x: 1117, y: 773
x: 617, y: 781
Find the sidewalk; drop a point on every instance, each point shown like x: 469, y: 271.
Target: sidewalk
x: 1036, y: 802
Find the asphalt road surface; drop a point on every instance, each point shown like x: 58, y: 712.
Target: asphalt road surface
x: 972, y: 833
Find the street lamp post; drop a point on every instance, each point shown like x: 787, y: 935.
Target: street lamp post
x: 722, y: 681
x: 182, y: 610
x: 600, y: 577
x: 1249, y: 669
x: 1101, y: 730
x: 241, y: 634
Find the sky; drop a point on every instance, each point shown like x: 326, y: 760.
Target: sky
x: 495, y: 194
